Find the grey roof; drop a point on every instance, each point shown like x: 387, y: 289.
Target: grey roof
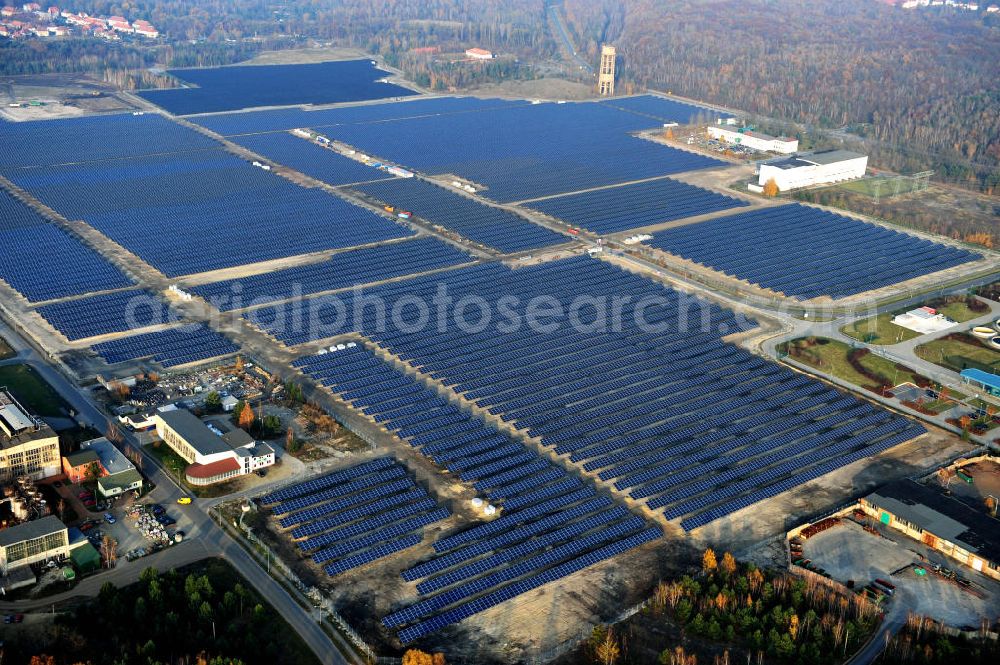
x: 112, y: 459
x: 192, y: 430
x: 81, y: 457
x: 830, y: 156
x: 237, y: 438
x: 823, y: 157
x: 944, y: 516
x: 30, y: 530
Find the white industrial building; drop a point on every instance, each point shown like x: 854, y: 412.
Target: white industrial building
x: 818, y: 168
x: 28, y: 447
x: 213, y: 455
x: 749, y: 138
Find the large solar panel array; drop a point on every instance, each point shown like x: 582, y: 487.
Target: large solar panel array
x: 807, y: 252
x: 279, y: 120
x: 654, y: 400
x: 524, y: 152
x: 245, y: 86
x: 310, y: 158
x: 176, y: 346
x: 665, y: 110
x: 493, y: 227
x: 42, y: 262
x: 636, y: 205
x: 93, y: 138
x: 551, y: 523
x: 354, y: 516
x: 106, y: 313
x: 353, y: 267
x: 193, y: 212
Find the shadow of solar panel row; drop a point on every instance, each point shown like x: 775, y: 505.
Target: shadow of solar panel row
x: 647, y: 395
x: 356, y: 515
x: 546, y: 516
x: 664, y: 110
x: 279, y: 120
x: 42, y: 262
x: 806, y: 252
x: 343, y: 270
x: 94, y: 138
x: 107, y: 313
x: 177, y: 346
x: 481, y: 223
x: 524, y: 152
x: 213, y: 89
x: 217, y: 210
x: 307, y: 157
x: 526, y: 584
x: 634, y: 206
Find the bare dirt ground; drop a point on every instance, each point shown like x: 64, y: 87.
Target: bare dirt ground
x: 847, y: 552
x: 986, y: 482
x: 64, y: 96
x: 544, y: 88
x: 303, y: 56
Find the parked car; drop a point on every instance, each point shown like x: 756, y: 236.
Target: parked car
x: 109, y: 518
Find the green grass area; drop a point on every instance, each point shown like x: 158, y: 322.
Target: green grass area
x: 5, y: 350
x: 959, y: 311
x: 32, y: 391
x: 879, y: 330
x: 886, y: 186
x: 960, y: 351
x: 175, y: 465
x: 831, y: 357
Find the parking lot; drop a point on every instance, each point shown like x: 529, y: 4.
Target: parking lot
x: 848, y: 552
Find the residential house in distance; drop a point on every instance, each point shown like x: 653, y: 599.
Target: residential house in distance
x: 114, y: 472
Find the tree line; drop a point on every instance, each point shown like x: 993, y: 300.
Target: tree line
x: 897, y: 78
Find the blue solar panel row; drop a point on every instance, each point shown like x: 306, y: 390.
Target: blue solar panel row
x: 213, y: 89
x: 217, y: 210
x: 176, y: 346
x: 541, y: 507
x: 310, y: 158
x: 93, y: 138
x: 486, y: 225
x: 526, y: 584
x: 107, y: 313
x: 634, y: 206
x: 525, y: 152
x: 664, y: 110
x: 354, y: 267
x: 806, y: 252
x: 279, y: 120
x: 42, y: 262
x: 356, y: 515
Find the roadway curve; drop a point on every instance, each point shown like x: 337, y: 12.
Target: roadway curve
x: 205, y: 538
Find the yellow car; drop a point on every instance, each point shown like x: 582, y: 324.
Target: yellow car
x: 184, y: 500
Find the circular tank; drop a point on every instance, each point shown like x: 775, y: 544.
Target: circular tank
x: 983, y: 332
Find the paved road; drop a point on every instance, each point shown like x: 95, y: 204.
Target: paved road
x: 205, y: 538
x: 894, y: 619
x: 563, y: 35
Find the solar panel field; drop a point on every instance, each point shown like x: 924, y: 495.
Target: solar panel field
x: 281, y: 120
x: 176, y: 346
x: 525, y: 152
x: 806, y: 252
x: 634, y: 206
x: 638, y: 408
x: 245, y: 86
x: 476, y: 221
x: 217, y: 210
x: 552, y: 525
x: 35, y: 253
x: 343, y: 270
x: 108, y: 313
